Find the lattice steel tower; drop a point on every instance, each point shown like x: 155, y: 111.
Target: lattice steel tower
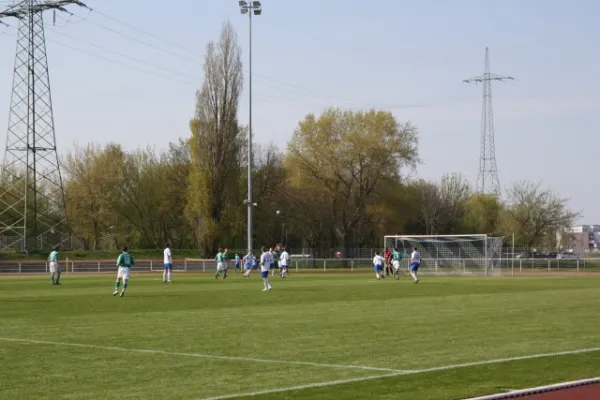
x: 32, y: 202
x: 487, y: 177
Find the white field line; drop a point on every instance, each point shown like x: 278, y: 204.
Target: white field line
x: 402, y: 373
x: 539, y: 389
x: 208, y: 356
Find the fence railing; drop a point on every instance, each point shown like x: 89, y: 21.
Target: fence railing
x: 440, y: 266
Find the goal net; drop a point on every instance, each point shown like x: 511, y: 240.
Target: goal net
x: 475, y: 254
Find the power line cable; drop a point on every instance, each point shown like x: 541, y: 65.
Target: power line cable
x: 260, y: 97
x: 142, y: 42
x: 170, y: 43
x: 126, y: 56
x: 287, y: 84
x: 187, y: 83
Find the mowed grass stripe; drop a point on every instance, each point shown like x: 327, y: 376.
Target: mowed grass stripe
x: 340, y: 320
x: 196, y: 355
x: 404, y: 373
x: 450, y: 384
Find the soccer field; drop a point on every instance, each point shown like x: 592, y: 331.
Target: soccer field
x: 320, y: 336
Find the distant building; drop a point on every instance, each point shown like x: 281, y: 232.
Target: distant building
x: 579, y: 239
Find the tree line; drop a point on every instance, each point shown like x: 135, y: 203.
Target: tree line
x: 341, y: 182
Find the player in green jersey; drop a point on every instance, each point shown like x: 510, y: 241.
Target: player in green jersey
x: 54, y: 267
x: 125, y: 262
x: 396, y: 261
x: 220, y: 258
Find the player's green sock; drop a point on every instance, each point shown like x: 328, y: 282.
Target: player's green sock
x: 117, y: 284
x: 124, y: 286
x: 57, y: 277
x: 52, y: 278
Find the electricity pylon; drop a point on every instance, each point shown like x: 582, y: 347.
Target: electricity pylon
x: 32, y: 201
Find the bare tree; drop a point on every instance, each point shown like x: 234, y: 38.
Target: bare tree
x: 533, y: 211
x: 430, y: 206
x: 215, y: 139
x: 454, y: 194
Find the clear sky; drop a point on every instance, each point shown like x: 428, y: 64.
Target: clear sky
x: 358, y: 54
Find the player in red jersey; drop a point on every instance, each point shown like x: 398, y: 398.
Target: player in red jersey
x: 387, y: 256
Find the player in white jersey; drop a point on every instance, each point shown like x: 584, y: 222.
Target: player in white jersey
x: 415, y: 263
x: 168, y: 260
x: 284, y: 260
x: 266, y: 260
x: 248, y: 262
x: 54, y: 267
x: 378, y: 265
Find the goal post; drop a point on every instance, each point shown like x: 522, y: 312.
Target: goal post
x: 475, y: 254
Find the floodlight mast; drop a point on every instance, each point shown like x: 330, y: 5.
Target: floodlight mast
x: 250, y: 7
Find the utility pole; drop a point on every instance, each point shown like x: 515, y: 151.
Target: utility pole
x: 487, y: 176
x: 32, y: 201
x: 253, y: 7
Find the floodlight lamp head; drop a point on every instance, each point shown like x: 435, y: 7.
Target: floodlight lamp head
x: 243, y: 3
x: 258, y: 12
x: 256, y: 4
x: 244, y: 11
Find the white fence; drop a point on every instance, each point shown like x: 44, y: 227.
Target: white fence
x: 499, y: 266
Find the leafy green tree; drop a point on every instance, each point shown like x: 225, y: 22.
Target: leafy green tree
x: 482, y: 215
x: 348, y: 155
x: 215, y: 141
x: 93, y: 176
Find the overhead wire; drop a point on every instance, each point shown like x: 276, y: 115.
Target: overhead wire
x: 260, y: 97
x: 125, y: 55
x: 139, y: 41
x: 187, y: 83
x: 307, y: 92
x: 285, y: 87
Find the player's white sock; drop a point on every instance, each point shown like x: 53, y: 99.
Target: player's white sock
x: 377, y: 274
x: 414, y: 275
x: 164, y: 275
x: 169, y: 276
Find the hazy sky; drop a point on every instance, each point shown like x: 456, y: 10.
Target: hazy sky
x: 312, y: 54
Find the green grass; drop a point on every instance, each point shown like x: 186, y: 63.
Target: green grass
x: 327, y: 319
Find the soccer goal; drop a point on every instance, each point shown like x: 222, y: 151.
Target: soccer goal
x: 473, y: 254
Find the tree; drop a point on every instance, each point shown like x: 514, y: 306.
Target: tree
x: 430, y: 208
x: 215, y: 141
x: 454, y: 193
x: 533, y: 211
x: 177, y: 161
x: 348, y: 156
x: 93, y: 176
x: 482, y: 215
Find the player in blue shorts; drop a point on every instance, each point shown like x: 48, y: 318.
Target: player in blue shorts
x: 415, y: 263
x: 266, y: 260
x: 237, y: 263
x: 248, y: 262
x: 378, y: 265
x: 168, y: 259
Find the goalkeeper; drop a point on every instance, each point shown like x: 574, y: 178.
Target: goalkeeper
x: 396, y: 261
